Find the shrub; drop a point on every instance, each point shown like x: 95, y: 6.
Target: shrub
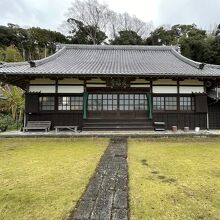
x: 5, y: 122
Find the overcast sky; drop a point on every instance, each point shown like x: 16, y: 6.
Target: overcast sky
x: 51, y: 13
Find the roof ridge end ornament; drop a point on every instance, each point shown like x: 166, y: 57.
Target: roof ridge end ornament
x: 58, y: 47
x: 32, y: 63
x: 201, y: 66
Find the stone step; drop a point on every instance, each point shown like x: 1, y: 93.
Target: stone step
x: 118, y: 127
x: 117, y: 123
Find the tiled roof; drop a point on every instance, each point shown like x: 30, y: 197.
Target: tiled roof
x: 113, y: 60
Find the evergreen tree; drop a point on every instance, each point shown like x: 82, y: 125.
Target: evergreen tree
x: 127, y: 38
x: 86, y: 34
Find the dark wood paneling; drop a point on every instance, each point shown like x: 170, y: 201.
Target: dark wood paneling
x: 201, y: 103
x: 182, y: 120
x: 214, y: 114
x: 58, y: 118
x: 123, y: 115
x: 31, y: 103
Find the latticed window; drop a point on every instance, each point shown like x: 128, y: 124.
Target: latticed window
x: 165, y: 103
x: 187, y: 103
x: 171, y: 103
x: 122, y: 102
x: 66, y: 103
x: 95, y: 102
x: 158, y: 103
x: 109, y: 102
x: 47, y: 103
x: 105, y: 102
x: 133, y: 102
x: 76, y: 103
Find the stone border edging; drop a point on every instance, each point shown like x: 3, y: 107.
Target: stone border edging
x: 106, y: 195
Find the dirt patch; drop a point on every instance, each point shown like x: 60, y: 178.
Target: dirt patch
x: 144, y: 162
x: 171, y: 180
x: 149, y: 178
x: 161, y: 177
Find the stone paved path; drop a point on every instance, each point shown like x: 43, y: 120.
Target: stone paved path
x: 106, y: 196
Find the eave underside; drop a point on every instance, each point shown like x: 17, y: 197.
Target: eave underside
x: 22, y: 81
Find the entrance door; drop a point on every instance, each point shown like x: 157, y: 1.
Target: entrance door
x: 123, y: 106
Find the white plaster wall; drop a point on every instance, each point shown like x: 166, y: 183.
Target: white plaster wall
x: 140, y: 81
x: 164, y: 82
x: 140, y: 86
x: 190, y: 89
x: 164, y: 89
x: 70, y: 81
x: 42, y: 81
x: 42, y: 89
x: 191, y: 82
x: 95, y: 85
x: 70, y: 89
x: 96, y: 80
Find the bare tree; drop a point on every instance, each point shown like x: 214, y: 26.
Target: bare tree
x: 98, y: 17
x: 126, y: 22
x: 91, y: 13
x: 112, y: 26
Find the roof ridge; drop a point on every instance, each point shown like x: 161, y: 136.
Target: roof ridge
x: 117, y: 47
x: 7, y: 64
x: 187, y: 60
x: 36, y: 63
x: 214, y: 66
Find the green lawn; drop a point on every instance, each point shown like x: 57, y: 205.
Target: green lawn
x: 174, y: 178
x: 44, y: 178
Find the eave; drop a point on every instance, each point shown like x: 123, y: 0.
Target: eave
x: 22, y: 81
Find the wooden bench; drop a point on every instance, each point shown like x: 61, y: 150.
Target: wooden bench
x: 71, y: 128
x: 159, y: 126
x: 37, y: 125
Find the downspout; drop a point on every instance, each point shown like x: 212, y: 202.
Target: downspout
x: 207, y: 115
x: 85, y: 104
x: 25, y: 95
x: 217, y: 99
x: 178, y: 103
x: 24, y: 119
x: 207, y: 119
x: 149, y: 99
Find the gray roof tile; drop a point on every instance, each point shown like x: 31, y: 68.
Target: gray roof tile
x: 113, y: 60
